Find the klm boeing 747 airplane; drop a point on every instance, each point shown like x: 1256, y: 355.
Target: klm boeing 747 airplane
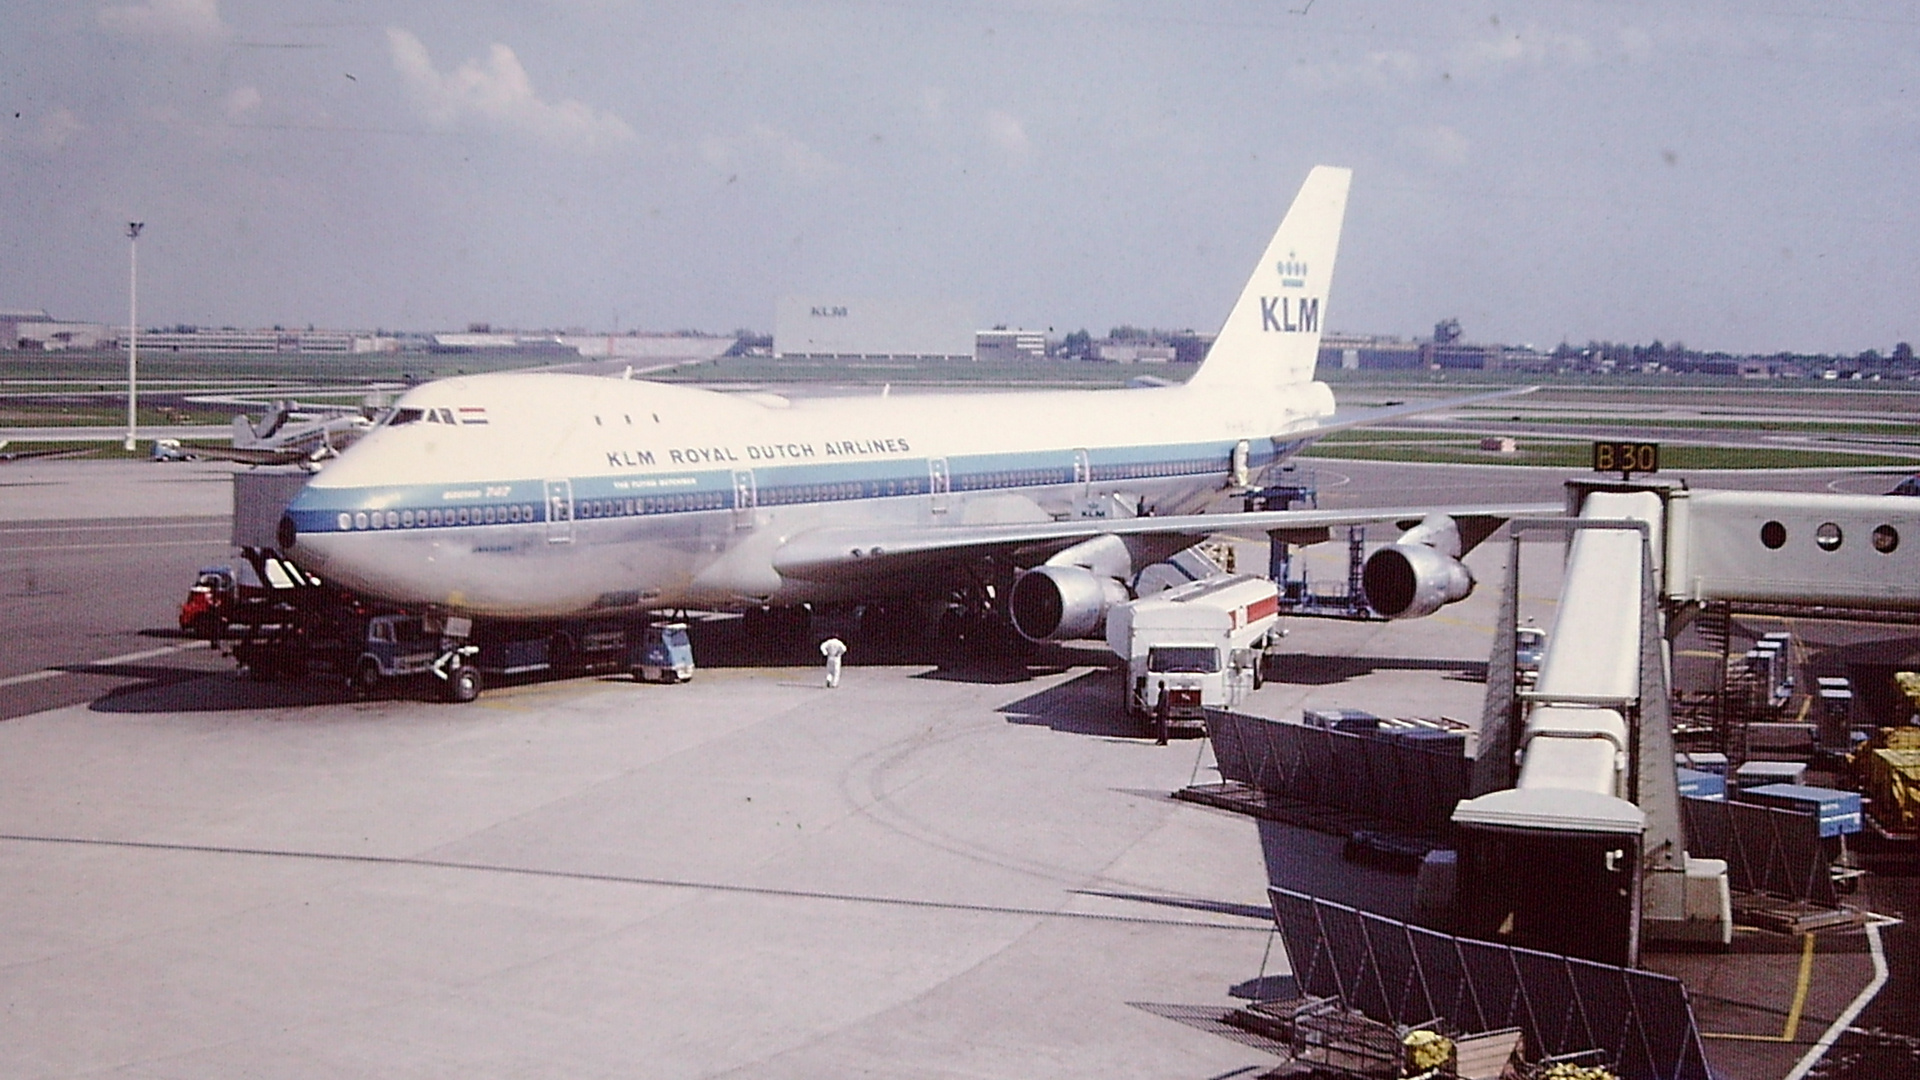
x: 527, y: 495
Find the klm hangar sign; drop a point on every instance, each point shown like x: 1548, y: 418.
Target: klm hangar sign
x: 862, y: 328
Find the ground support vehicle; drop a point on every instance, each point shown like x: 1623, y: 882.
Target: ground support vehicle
x: 1193, y: 647
x: 665, y: 654
x: 408, y: 646
x: 278, y: 623
x: 213, y: 592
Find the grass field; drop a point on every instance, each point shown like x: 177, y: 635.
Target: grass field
x: 1889, y: 426
x: 1065, y: 373
x: 1571, y: 454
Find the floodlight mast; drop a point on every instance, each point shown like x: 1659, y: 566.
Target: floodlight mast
x: 133, y: 329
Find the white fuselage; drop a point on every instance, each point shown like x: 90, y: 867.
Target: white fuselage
x: 540, y: 494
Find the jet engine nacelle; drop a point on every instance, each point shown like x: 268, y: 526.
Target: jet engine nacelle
x: 1419, y: 573
x: 1067, y: 597
x: 1062, y: 603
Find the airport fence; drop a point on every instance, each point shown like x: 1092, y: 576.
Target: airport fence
x: 1768, y: 849
x: 1381, y: 776
x: 1397, y: 973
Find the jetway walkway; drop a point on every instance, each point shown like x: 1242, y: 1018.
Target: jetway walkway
x: 1576, y: 839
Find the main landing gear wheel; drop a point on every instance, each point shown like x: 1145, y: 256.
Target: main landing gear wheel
x: 462, y: 685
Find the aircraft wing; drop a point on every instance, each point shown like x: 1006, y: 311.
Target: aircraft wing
x: 1343, y: 419
x: 880, y: 551
x: 249, y: 455
x: 28, y: 455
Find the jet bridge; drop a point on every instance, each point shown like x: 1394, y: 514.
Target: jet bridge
x: 1574, y: 842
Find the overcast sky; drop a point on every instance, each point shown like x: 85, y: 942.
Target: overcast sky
x: 1726, y: 177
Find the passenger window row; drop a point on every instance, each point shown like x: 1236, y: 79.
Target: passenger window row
x: 435, y: 518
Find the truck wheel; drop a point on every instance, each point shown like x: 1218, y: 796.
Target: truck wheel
x: 463, y: 685
x: 561, y: 659
x: 366, y: 677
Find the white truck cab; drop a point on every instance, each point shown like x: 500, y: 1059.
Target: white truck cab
x: 1195, y: 646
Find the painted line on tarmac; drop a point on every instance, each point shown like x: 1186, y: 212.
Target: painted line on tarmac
x: 1256, y: 926
x: 142, y: 544
x: 1845, y: 1020
x: 81, y: 669
x: 130, y: 523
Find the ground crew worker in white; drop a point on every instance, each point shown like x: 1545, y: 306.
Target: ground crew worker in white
x: 833, y: 649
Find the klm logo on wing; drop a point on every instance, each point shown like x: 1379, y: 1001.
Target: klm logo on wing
x: 1290, y: 315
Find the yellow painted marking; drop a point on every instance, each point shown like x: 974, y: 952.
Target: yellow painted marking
x: 1792, y: 1028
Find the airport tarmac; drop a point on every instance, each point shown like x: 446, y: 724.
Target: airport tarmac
x: 927, y: 872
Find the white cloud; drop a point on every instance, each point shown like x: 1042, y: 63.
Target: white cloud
x: 1636, y: 43
x: 1441, y: 143
x: 192, y: 19
x: 1007, y: 133
x: 1374, y: 70
x: 761, y: 143
x: 241, y: 101
x: 1533, y: 47
x: 58, y: 128
x: 933, y: 103
x: 498, y: 91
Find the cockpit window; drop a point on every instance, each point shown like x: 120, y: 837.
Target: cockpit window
x: 403, y: 416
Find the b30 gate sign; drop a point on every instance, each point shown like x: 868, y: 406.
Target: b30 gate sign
x: 1626, y: 458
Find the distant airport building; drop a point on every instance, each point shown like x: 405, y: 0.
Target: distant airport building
x: 1009, y: 345
x: 485, y: 340
x: 192, y: 339
x: 33, y: 330
x: 10, y: 322
x: 648, y: 348
x: 1368, y: 352
x: 845, y: 328
x: 1135, y: 352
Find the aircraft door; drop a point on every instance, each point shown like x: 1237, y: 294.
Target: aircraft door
x: 938, y: 483
x: 559, y: 511
x: 745, y: 498
x: 1082, y: 472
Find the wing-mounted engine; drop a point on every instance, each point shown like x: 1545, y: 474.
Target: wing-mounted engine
x: 1421, y: 572
x: 1067, y: 597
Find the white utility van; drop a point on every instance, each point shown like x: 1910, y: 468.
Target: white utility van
x: 1194, y: 646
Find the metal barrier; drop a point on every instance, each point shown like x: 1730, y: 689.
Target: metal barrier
x: 1401, y: 974
x: 1768, y: 849
x: 1409, y: 785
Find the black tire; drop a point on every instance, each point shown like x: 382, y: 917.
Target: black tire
x: 561, y: 658
x: 367, y: 677
x: 462, y: 685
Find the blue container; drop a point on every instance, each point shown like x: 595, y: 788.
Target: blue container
x: 1695, y: 784
x: 1712, y: 761
x: 1760, y: 773
x: 1434, y: 739
x: 1838, y: 811
x: 1355, y: 720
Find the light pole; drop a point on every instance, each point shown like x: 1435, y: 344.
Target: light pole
x: 133, y: 328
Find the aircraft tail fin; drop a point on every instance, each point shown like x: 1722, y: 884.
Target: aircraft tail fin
x: 1272, y: 337
x: 243, y: 432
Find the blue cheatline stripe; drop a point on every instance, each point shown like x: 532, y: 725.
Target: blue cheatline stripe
x: 447, y: 506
